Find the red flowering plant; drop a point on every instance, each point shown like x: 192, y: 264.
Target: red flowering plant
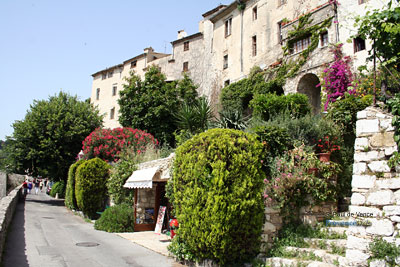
x: 327, y: 144
x: 107, y: 144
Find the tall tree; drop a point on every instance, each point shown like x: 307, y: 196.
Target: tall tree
x: 149, y: 104
x: 47, y: 141
x: 382, y: 27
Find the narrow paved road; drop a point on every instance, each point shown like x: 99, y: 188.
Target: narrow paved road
x: 44, y: 233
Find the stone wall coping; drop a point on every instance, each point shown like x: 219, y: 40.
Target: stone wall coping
x: 7, y: 208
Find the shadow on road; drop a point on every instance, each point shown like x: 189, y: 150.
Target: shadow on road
x: 14, y: 252
x: 50, y: 202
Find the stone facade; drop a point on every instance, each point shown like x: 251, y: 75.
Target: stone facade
x: 231, y: 41
x: 376, y: 187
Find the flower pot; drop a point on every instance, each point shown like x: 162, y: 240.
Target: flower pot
x: 324, y: 157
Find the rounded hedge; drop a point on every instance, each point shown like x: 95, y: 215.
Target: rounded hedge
x: 70, y: 199
x: 217, y: 186
x: 266, y: 106
x: 90, y: 186
x: 58, y: 188
x: 116, y: 219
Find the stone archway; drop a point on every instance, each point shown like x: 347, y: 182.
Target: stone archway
x: 308, y: 86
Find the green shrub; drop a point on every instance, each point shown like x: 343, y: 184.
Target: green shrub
x: 307, y: 129
x: 70, y: 199
x: 266, y: 106
x: 344, y: 113
x: 120, y: 172
x: 116, y: 219
x: 276, y: 139
x: 381, y: 249
x: 58, y: 187
x: 90, y: 186
x: 217, y: 186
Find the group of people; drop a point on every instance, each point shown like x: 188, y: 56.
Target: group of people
x: 35, y: 183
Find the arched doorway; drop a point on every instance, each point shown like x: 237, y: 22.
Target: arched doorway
x: 308, y: 86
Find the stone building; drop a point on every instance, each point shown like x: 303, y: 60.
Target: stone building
x: 233, y: 39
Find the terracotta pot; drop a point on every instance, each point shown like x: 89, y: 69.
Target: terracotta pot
x: 324, y: 157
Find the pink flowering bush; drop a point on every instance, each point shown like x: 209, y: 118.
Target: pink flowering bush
x: 107, y: 144
x: 297, y: 178
x: 337, y: 77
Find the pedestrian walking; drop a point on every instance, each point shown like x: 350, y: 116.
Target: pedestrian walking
x: 25, y: 188
x: 37, y: 183
x: 30, y: 185
x: 41, y: 185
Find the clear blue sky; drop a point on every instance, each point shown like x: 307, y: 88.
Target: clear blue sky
x: 50, y: 45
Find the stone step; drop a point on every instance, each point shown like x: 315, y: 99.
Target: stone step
x: 329, y: 243
x: 338, y: 230
x: 323, y: 254
x: 284, y: 262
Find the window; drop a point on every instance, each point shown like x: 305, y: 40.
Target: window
x: 228, y: 27
x: 226, y: 83
x: 110, y: 74
x: 114, y: 90
x: 280, y: 32
x: 254, y: 45
x: 186, y: 46
x: 281, y: 2
x: 97, y: 93
x: 225, y: 61
x: 104, y: 76
x: 112, y: 113
x: 300, y: 45
x: 133, y: 64
x: 255, y: 13
x: 185, y: 66
x: 324, y: 39
x: 359, y: 44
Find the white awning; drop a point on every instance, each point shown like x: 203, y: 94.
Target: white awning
x: 141, y: 178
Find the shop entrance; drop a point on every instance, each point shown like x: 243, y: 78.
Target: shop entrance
x: 147, y: 206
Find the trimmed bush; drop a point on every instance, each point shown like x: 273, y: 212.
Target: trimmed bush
x: 266, y: 106
x: 90, y: 186
x: 70, y: 199
x: 217, y: 186
x: 58, y: 187
x: 115, y: 185
x: 116, y: 219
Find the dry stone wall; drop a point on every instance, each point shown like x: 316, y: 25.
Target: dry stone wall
x: 375, y: 197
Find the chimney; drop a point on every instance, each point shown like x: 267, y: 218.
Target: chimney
x: 148, y: 50
x: 181, y: 34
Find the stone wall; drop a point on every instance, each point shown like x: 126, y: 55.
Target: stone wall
x: 14, y: 180
x: 376, y: 188
x: 7, y: 208
x: 308, y: 215
x: 3, y: 185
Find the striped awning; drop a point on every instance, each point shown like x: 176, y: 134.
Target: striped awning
x: 141, y: 178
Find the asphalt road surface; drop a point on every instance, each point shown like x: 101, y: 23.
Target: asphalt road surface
x: 45, y: 233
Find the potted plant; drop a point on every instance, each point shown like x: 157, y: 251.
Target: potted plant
x: 326, y: 146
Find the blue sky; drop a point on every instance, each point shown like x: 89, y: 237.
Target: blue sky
x: 52, y: 45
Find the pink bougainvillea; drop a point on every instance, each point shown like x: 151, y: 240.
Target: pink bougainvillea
x: 337, y: 77
x: 107, y: 144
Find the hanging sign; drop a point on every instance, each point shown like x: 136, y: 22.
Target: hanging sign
x: 160, y: 219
